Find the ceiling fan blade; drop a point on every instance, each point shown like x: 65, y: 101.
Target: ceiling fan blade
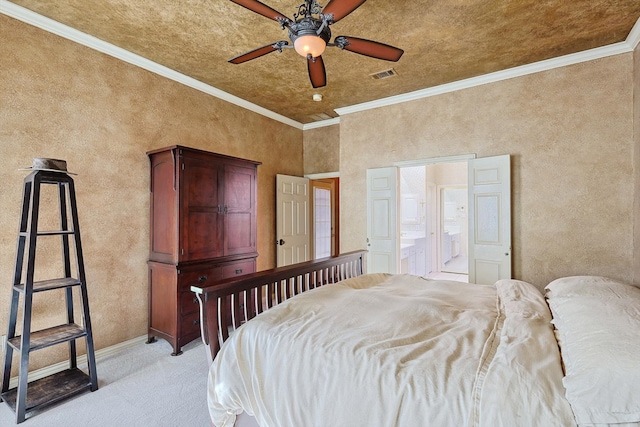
x: 369, y: 48
x: 317, y: 73
x: 257, y: 53
x: 262, y: 9
x: 341, y: 8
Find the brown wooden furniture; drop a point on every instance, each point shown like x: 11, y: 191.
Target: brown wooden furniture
x: 71, y: 381
x: 231, y: 302
x: 203, y: 229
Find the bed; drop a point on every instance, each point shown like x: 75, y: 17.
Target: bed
x: 333, y: 346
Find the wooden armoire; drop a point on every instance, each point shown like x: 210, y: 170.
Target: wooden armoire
x: 203, y: 229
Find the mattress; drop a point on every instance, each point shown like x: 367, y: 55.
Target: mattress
x: 395, y: 350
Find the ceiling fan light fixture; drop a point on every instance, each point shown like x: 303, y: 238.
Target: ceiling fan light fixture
x: 309, y: 45
x: 310, y: 33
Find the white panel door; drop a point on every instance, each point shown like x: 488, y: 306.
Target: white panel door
x: 293, y: 216
x: 382, y: 233
x: 489, y: 219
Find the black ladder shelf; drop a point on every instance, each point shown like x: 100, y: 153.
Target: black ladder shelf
x: 30, y: 396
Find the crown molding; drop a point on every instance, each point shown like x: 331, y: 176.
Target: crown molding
x: 29, y: 17
x: 321, y: 123
x: 633, y: 39
x: 626, y: 46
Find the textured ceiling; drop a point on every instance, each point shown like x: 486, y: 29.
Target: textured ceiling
x: 444, y: 41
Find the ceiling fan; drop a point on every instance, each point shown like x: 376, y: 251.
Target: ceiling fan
x: 310, y: 34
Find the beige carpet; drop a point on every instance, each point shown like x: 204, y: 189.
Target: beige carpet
x: 140, y: 386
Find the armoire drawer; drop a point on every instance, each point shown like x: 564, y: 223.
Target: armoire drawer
x: 205, y: 277
x: 188, y: 302
x: 190, y: 324
x: 238, y: 268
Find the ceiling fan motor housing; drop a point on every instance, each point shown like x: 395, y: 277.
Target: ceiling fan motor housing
x: 309, y: 27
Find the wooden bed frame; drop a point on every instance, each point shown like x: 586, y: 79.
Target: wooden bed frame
x: 231, y: 302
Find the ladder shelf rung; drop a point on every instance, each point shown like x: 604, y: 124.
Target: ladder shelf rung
x: 48, y: 233
x: 51, y: 389
x: 47, y: 285
x: 50, y: 336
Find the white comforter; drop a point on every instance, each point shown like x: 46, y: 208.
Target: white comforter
x: 395, y: 350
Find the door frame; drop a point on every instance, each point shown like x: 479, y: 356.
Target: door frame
x: 333, y: 186
x: 335, y: 177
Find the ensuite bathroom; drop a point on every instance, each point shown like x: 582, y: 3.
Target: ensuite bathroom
x: 434, y: 226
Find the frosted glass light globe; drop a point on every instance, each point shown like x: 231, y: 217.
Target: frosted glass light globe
x: 309, y: 44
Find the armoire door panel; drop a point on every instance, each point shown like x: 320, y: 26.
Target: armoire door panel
x: 201, y: 211
x: 201, y: 183
x: 239, y: 209
x: 238, y: 186
x: 203, y: 233
x: 239, y: 236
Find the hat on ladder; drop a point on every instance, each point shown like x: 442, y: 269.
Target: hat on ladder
x: 50, y: 165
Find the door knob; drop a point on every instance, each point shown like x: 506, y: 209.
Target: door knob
x: 280, y: 242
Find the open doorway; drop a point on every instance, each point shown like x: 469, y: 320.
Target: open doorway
x: 433, y: 220
x: 488, y: 216
x: 455, y: 230
x: 307, y: 218
x: 325, y: 217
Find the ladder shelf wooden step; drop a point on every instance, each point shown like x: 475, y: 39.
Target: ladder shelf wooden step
x: 51, y: 389
x: 61, y: 385
x: 48, y: 285
x: 50, y: 336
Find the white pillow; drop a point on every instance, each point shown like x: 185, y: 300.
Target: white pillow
x: 588, y: 286
x: 598, y: 323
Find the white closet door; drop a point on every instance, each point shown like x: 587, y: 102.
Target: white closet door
x: 382, y: 233
x: 489, y: 219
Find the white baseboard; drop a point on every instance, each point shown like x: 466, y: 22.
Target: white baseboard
x: 82, y: 360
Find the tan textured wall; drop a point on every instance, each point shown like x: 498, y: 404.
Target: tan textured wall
x: 636, y: 138
x: 322, y: 150
x: 570, y: 134
x: 62, y: 100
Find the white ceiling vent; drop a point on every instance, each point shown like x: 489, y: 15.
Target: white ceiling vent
x: 384, y: 74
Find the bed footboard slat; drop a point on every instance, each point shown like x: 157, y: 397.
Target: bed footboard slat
x: 229, y: 303
x: 256, y: 301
